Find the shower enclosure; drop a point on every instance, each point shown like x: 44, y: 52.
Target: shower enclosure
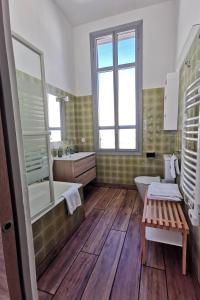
x: 29, y: 64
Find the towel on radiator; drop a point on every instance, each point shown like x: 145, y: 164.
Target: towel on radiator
x: 164, y: 191
x: 72, y: 198
x: 174, y: 166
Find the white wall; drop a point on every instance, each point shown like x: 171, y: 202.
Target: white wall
x: 188, y: 15
x: 159, y: 44
x: 43, y: 24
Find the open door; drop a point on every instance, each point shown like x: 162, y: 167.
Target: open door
x: 17, y: 269
x: 10, y: 286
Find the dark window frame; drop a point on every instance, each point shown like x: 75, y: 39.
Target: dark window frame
x: 138, y: 27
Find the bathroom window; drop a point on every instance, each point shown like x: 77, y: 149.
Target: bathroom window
x: 56, y: 118
x: 116, y: 59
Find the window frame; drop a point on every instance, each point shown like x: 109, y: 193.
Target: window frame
x: 62, y: 119
x: 138, y: 27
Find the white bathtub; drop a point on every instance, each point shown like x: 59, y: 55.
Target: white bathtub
x: 39, y: 197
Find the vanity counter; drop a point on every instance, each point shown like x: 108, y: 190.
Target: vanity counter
x: 78, y: 167
x: 75, y: 156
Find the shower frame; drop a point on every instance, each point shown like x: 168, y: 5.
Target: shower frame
x: 45, y: 133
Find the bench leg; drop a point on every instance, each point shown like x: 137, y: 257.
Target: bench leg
x: 184, y: 253
x: 143, y: 244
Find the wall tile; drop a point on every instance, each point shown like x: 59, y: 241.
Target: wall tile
x: 122, y: 169
x: 187, y: 76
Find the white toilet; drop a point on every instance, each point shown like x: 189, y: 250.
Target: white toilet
x: 142, y: 182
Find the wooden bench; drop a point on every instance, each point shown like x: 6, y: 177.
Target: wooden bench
x: 164, y: 222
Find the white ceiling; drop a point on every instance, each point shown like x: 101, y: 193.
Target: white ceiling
x: 84, y: 11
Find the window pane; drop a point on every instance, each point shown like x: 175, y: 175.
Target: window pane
x: 54, y: 111
x: 127, y: 139
x: 107, y: 139
x: 126, y: 47
x: 106, y: 99
x: 127, y: 103
x: 105, y: 51
x: 55, y: 136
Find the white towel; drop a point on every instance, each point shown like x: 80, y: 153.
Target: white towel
x: 72, y: 198
x: 164, y: 191
x: 174, y: 166
x: 177, y: 167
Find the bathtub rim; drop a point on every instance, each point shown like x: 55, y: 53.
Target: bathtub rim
x: 49, y: 207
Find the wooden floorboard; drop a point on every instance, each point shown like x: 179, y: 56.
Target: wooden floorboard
x: 155, y: 257
x: 126, y: 283
x: 122, y: 220
x: 102, y: 260
x: 153, y: 285
x: 97, y: 239
x: 93, y: 199
x: 196, y: 286
x: 43, y: 296
x: 74, y: 283
x: 101, y: 280
x: 179, y: 286
x: 56, y: 271
x: 106, y: 198
x: 138, y: 206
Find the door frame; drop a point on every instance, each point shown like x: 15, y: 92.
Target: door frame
x: 15, y: 165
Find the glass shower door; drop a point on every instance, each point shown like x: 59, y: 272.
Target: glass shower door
x: 34, y: 123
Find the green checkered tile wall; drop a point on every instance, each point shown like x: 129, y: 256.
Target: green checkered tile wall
x: 84, y: 123
x: 154, y: 137
x: 115, y: 168
x: 54, y: 228
x: 121, y: 169
x: 187, y: 76
x: 70, y: 122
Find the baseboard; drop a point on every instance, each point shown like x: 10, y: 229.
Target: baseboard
x: 116, y: 185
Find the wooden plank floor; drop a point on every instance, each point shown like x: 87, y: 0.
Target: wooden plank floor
x: 102, y: 260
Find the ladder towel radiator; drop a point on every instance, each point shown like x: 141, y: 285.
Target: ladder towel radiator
x: 190, y: 169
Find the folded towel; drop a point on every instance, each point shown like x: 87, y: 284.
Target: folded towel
x: 177, y: 167
x: 174, y: 166
x: 164, y: 191
x: 72, y: 198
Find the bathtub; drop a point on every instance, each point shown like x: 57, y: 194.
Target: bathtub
x: 52, y: 226
x: 39, y: 197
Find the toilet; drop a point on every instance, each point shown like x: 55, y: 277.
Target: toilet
x: 142, y: 182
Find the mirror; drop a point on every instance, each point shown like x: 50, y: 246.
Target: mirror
x: 34, y: 123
